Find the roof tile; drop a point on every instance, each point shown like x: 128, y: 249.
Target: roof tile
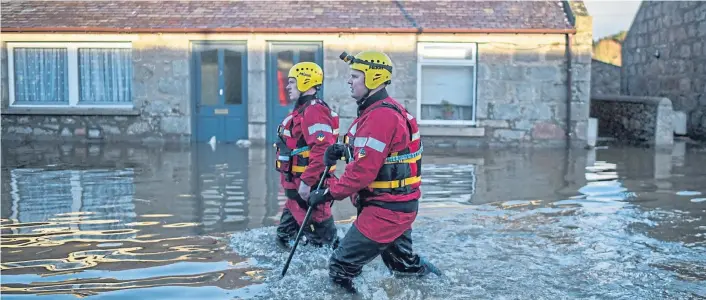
x: 488, y: 14
x: 370, y: 14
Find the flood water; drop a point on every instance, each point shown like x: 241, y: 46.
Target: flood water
x: 186, y: 222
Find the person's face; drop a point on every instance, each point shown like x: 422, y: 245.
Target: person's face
x: 357, y: 84
x: 292, y: 90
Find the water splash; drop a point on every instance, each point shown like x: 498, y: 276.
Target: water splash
x: 538, y: 252
x: 688, y: 193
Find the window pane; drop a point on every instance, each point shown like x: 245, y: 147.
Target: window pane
x: 447, y: 51
x: 105, y: 75
x: 307, y: 55
x: 41, y: 75
x: 209, y: 77
x: 285, y: 61
x: 447, y: 92
x: 233, y: 77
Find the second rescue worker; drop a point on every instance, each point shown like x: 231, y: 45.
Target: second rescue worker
x: 303, y: 138
x: 383, y: 177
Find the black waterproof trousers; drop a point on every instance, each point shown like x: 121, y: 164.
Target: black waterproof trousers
x: 356, y: 250
x: 318, y: 234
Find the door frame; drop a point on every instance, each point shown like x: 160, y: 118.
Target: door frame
x: 269, y: 64
x: 195, y: 72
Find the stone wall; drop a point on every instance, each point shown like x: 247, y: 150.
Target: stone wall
x: 161, y: 91
x: 664, y: 55
x: 521, y: 94
x: 521, y: 87
x: 634, y: 119
x: 605, y: 78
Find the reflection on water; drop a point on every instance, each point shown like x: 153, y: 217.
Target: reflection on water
x: 77, y: 218
x: 186, y: 222
x: 448, y: 182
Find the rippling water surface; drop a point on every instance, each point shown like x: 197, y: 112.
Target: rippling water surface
x: 122, y: 222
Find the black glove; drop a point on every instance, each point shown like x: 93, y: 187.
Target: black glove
x: 319, y: 196
x: 334, y: 153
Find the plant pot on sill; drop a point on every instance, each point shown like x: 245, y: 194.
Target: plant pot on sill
x: 448, y: 115
x: 447, y: 110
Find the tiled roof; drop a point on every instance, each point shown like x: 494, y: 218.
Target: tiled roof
x: 311, y: 16
x: 488, y: 14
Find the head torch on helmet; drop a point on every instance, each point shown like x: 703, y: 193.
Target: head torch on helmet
x: 350, y: 59
x: 375, y: 65
x: 347, y: 58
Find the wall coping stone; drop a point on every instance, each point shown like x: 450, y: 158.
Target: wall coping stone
x: 633, y: 99
x: 654, y: 125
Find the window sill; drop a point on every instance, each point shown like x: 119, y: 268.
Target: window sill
x: 71, y: 111
x: 458, y: 123
x: 451, y: 130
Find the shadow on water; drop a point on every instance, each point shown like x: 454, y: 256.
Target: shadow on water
x: 187, y: 222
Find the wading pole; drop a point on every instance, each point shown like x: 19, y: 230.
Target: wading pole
x: 306, y: 220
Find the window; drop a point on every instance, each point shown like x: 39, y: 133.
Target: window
x: 446, y: 83
x: 70, y: 74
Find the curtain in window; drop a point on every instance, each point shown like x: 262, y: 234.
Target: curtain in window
x: 105, y: 75
x: 41, y: 75
x: 447, y: 92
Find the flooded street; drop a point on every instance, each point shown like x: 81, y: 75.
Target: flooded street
x: 185, y: 222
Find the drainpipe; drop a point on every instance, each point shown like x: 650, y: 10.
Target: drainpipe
x: 418, y: 29
x: 418, y: 32
x: 569, y: 58
x: 567, y: 177
x: 409, y: 18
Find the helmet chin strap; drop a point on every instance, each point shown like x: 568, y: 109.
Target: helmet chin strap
x: 302, y: 95
x: 365, y: 98
x: 299, y: 99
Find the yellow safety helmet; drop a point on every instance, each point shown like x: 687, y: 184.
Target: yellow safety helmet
x: 376, y: 66
x: 307, y: 74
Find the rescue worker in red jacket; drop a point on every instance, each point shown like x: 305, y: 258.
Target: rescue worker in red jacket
x: 303, y: 137
x: 383, y: 150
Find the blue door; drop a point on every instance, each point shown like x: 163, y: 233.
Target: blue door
x: 281, y: 57
x: 219, y: 80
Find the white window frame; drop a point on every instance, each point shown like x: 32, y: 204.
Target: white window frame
x: 73, y: 80
x: 421, y: 61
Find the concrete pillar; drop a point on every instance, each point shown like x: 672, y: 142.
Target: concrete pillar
x: 679, y: 123
x: 664, y: 125
x: 592, y: 134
